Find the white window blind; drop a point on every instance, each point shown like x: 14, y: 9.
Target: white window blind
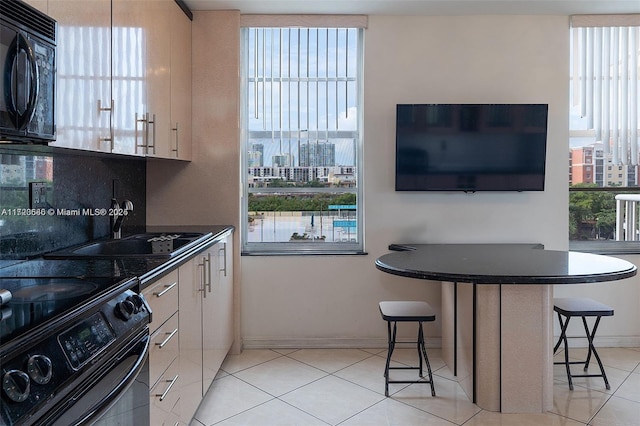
x: 605, y: 77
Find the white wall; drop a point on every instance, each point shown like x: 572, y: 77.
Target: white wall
x: 467, y: 59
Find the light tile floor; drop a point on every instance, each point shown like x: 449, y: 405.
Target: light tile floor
x: 346, y: 387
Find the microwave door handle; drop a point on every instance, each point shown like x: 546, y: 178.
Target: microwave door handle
x: 9, y: 80
x: 20, y: 44
x: 34, y: 81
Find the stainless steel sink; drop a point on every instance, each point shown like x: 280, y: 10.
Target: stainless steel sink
x: 140, y: 245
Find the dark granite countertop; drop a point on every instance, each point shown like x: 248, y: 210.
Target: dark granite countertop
x: 502, y: 264
x: 146, y: 269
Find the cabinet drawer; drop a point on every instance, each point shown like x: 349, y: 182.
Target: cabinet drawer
x: 163, y: 348
x: 162, y: 296
x: 164, y: 397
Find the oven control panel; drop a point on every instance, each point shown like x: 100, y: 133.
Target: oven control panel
x: 86, y: 339
x: 41, y: 375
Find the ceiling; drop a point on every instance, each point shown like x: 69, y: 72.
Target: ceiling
x: 421, y: 7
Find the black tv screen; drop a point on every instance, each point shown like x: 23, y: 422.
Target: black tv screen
x: 471, y: 147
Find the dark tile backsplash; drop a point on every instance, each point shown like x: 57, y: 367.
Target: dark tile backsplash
x: 78, y: 192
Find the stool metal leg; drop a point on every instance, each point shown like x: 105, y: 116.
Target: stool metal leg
x: 391, y: 346
x: 422, y: 353
x: 426, y: 359
x: 418, y: 346
x: 563, y: 336
x: 555, y: 348
x: 589, y: 338
x: 592, y: 350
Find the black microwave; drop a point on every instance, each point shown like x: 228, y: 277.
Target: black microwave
x: 27, y: 88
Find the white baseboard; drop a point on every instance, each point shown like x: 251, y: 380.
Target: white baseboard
x: 434, y: 342
x: 329, y: 343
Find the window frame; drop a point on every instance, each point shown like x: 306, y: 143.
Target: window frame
x: 306, y: 247
x: 611, y: 168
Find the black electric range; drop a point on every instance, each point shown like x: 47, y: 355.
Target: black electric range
x: 60, y: 338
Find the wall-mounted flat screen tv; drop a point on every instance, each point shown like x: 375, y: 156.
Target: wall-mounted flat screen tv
x: 471, y: 147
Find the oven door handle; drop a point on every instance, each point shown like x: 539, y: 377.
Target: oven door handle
x: 107, y: 402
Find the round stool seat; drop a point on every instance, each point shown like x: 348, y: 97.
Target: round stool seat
x: 407, y: 311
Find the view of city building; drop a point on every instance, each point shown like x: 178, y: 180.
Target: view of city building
x: 316, y: 162
x: 317, y: 154
x: 17, y: 170
x: 337, y: 176
x: 590, y: 165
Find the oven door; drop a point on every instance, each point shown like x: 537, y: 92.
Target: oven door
x: 118, y: 396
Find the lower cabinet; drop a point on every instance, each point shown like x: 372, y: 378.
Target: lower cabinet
x: 164, y: 364
x: 164, y: 376
x: 206, y: 321
x: 191, y: 331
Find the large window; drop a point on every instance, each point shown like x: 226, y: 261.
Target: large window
x: 604, y: 172
x: 301, y: 140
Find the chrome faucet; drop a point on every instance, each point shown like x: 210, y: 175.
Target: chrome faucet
x: 117, y: 214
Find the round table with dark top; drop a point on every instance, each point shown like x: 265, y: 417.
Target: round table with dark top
x: 502, y: 264
x: 497, y: 307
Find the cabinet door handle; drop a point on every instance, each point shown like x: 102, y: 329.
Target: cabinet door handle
x: 109, y: 139
x: 171, y: 383
x: 167, y: 288
x: 224, y: 259
x: 101, y: 108
x: 145, y: 129
x: 169, y: 337
x: 203, y: 278
x: 151, y: 121
x: 207, y: 282
x: 175, y: 129
x: 111, y: 135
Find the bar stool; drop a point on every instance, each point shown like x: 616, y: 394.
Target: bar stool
x: 406, y: 311
x: 580, y: 307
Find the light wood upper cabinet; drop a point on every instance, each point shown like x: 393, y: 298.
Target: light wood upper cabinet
x: 129, y: 73
x: 124, y: 76
x: 83, y: 62
x: 180, y: 125
x: 156, y: 24
x: 157, y: 31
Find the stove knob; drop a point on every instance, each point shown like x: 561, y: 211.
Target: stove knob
x: 15, y: 384
x: 125, y: 309
x: 137, y: 302
x: 40, y: 369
